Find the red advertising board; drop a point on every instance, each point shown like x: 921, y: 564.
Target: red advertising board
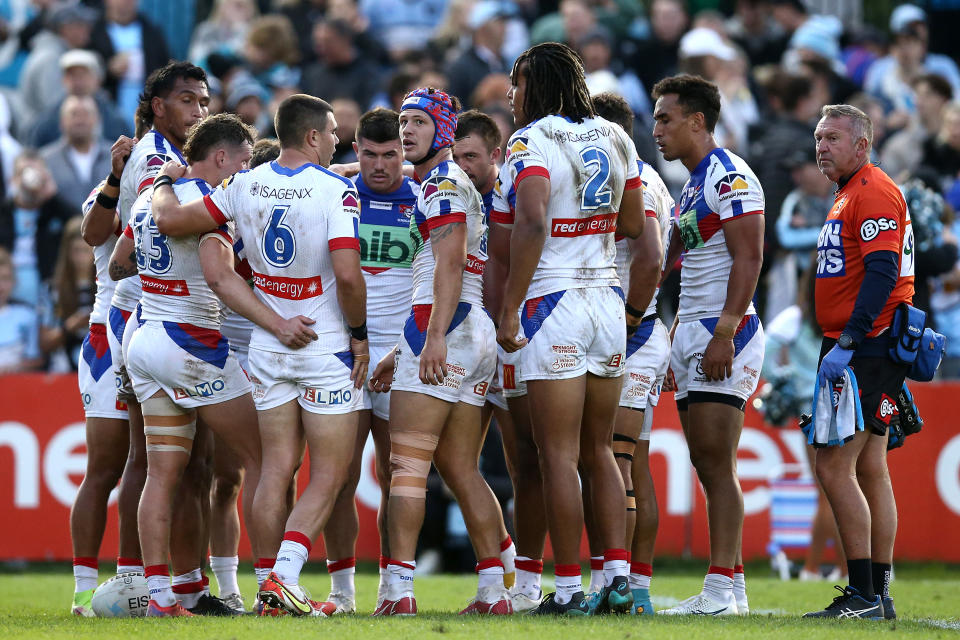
x: 43, y: 456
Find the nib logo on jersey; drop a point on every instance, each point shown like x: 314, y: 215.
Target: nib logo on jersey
x: 831, y: 260
x: 202, y: 390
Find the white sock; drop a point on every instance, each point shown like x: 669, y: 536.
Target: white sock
x: 529, y: 573
x: 596, y: 574
x: 401, y: 576
x: 384, y: 579
x: 84, y: 578
x: 130, y: 568
x: 341, y: 580
x: 290, y: 561
x: 508, y: 556
x: 614, y: 568
x: 718, y: 587
x: 567, y: 586
x: 160, y: 590
x: 225, y: 570
x: 639, y: 581
x: 739, y: 586
x: 490, y: 576
x: 189, y: 599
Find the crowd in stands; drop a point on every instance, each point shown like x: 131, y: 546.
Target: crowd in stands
x: 71, y: 73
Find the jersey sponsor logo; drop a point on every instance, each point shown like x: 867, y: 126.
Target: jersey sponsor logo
x: 385, y: 246
x: 288, y: 288
x: 906, y: 253
x: 323, y: 396
x: 615, y: 361
x: 481, y: 388
x: 518, y: 144
x: 155, y: 160
x: 385, y: 206
x: 509, y: 376
x: 351, y: 202
x: 590, y: 136
x: 164, y: 287
x: 831, y: 259
x: 475, y: 264
x: 594, y: 225
x: 437, y: 185
x: 564, y: 362
x: 887, y: 409
x: 871, y: 228
x: 202, y: 390
x: 405, y: 209
x: 266, y: 191
x: 729, y: 185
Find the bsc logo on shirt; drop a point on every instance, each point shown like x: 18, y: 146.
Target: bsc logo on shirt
x: 871, y: 228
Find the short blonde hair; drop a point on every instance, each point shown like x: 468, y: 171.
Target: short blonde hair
x: 861, y: 125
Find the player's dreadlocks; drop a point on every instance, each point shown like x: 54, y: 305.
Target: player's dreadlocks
x: 555, y: 82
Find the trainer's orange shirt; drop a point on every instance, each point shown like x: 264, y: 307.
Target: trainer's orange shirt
x: 869, y: 214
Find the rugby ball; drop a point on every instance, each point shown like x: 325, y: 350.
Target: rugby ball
x: 122, y: 596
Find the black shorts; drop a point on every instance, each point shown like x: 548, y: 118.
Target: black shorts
x: 879, y: 380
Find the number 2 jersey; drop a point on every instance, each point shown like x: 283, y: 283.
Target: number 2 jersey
x: 720, y: 189
x: 589, y: 165
x: 174, y: 288
x: 446, y: 196
x: 290, y: 221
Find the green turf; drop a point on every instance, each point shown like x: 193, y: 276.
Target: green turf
x: 35, y: 604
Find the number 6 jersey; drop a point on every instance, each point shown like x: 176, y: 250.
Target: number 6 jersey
x: 290, y: 221
x: 589, y: 165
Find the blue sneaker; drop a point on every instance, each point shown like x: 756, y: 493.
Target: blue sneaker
x: 850, y: 604
x: 641, y: 603
x: 889, y: 613
x: 615, y: 598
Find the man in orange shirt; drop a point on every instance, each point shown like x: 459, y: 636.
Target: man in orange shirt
x: 864, y: 270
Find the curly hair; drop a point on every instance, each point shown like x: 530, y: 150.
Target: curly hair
x: 555, y: 82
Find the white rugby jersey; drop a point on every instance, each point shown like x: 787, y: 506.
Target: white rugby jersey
x: 447, y: 195
x: 145, y: 161
x: 101, y: 261
x: 386, y: 257
x: 589, y: 165
x: 174, y: 288
x: 234, y: 327
x: 721, y: 188
x: 290, y: 221
x: 657, y: 203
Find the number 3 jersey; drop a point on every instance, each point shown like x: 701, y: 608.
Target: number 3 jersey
x: 174, y: 288
x: 720, y: 189
x: 446, y: 196
x: 290, y: 221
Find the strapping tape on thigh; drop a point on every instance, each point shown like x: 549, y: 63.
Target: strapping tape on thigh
x: 167, y: 427
x: 410, y: 455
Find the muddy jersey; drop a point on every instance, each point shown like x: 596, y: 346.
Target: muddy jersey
x: 658, y: 204
x: 589, y: 165
x: 720, y: 189
x: 174, y: 288
x: 145, y: 161
x: 101, y: 261
x: 446, y: 196
x: 291, y: 220
x: 386, y: 257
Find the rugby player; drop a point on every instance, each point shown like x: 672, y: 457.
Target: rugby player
x: 648, y: 355
x: 443, y: 364
x: 387, y: 199
x: 572, y: 173
x: 178, y: 361
x: 308, y: 354
x: 717, y: 338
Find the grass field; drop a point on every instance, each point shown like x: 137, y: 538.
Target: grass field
x: 35, y: 604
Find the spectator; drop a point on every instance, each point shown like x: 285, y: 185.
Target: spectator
x: 596, y: 49
x: 9, y: 148
x: 347, y: 114
x: 82, y: 75
x: 270, y: 51
x: 133, y: 48
x: 31, y: 223
x: 903, y: 152
x: 755, y: 31
x: 245, y: 97
x: 829, y: 86
x: 68, y: 300
x: 491, y: 93
x: 942, y: 152
x: 349, y: 12
x: 483, y: 55
x: 224, y: 31
x: 340, y: 71
x: 911, y: 20
x: 19, y: 333
x: 68, y: 27
x: 80, y: 158
x: 895, y: 86
x: 403, y: 25
x: 573, y: 21
x: 658, y: 57
x: 790, y: 15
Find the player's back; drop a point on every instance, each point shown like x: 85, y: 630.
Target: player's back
x: 291, y: 220
x: 174, y: 288
x: 589, y: 165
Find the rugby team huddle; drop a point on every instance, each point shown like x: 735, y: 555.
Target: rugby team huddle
x: 253, y: 303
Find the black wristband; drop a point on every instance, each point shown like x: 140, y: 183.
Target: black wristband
x: 113, y: 180
x: 106, y: 201
x: 161, y: 180
x: 632, y: 310
x: 359, y: 333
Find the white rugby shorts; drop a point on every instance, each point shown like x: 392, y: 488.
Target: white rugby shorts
x: 648, y: 357
x: 377, y: 402
x: 320, y: 382
x: 689, y: 343
x: 572, y: 332
x: 471, y: 355
x: 192, y: 365
x: 97, y: 381
x: 117, y: 320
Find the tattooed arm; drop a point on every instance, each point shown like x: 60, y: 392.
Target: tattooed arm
x: 123, y: 261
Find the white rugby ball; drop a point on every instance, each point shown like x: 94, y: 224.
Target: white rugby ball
x: 122, y: 596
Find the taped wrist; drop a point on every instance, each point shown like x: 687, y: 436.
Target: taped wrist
x: 410, y: 455
x: 167, y: 427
